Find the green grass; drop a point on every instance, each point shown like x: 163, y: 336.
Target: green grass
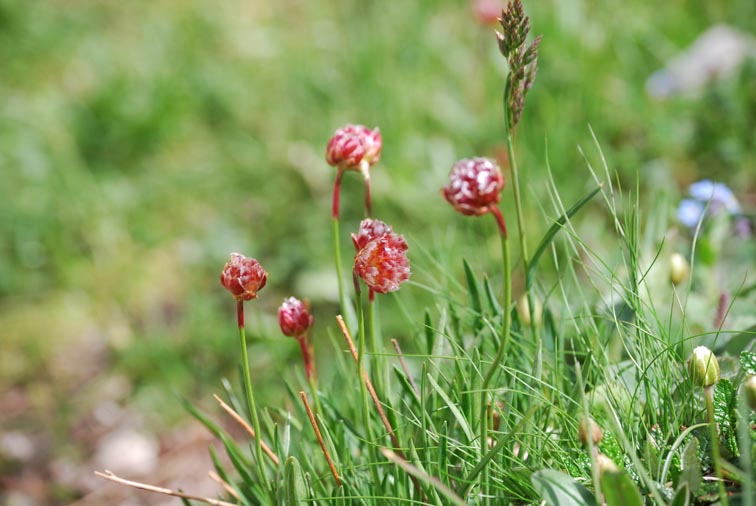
x: 140, y: 143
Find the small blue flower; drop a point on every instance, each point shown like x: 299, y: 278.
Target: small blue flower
x: 690, y: 212
x: 720, y: 195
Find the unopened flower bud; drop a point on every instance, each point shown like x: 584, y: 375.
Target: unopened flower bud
x: 353, y: 147
x: 605, y: 464
x: 369, y: 230
x: 749, y: 387
x: 523, y: 311
x: 679, y: 269
x: 703, y: 367
x: 243, y: 277
x: 475, y: 186
x: 382, y: 263
x: 294, y: 317
x: 589, y: 429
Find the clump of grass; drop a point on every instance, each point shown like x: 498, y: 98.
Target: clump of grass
x: 584, y: 397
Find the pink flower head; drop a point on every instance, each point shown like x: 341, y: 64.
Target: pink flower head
x: 382, y: 263
x: 369, y: 230
x: 487, y: 12
x: 294, y: 317
x: 243, y: 277
x: 354, y: 147
x: 475, y: 186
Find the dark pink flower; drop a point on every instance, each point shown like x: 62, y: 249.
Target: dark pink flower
x: 243, y: 277
x: 369, y: 230
x: 354, y: 147
x: 475, y: 186
x: 294, y: 317
x: 382, y: 263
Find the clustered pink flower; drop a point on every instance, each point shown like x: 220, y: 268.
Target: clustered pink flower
x: 382, y: 263
x: 369, y: 229
x: 475, y: 186
x: 354, y: 147
x: 294, y: 317
x: 243, y: 277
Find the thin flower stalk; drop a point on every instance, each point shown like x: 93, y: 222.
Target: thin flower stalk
x: 250, y: 394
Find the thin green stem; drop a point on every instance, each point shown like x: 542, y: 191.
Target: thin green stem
x: 515, y: 177
x: 361, y: 338
x: 506, y: 264
x: 709, y: 394
x: 337, y: 257
x: 375, y: 345
x: 250, y: 395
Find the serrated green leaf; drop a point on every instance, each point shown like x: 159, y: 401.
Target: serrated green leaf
x: 725, y: 414
x: 748, y: 362
x: 619, y: 489
x: 558, y: 489
x: 690, y: 475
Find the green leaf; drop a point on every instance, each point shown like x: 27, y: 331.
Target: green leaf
x: 296, y: 489
x: 725, y: 414
x: 492, y: 302
x: 453, y: 408
x: 739, y: 342
x: 682, y: 496
x: 473, y: 289
x: 690, y: 475
x: 619, y: 489
x: 556, y: 227
x: 748, y: 362
x: 430, y: 334
x: 557, y: 489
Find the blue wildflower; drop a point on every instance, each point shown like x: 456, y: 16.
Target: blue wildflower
x: 690, y: 212
x: 720, y: 195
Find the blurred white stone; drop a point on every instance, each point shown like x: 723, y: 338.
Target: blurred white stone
x: 717, y: 53
x: 128, y: 452
x: 17, y: 445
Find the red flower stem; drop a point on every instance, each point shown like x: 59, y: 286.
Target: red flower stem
x: 240, y: 313
x: 371, y: 295
x: 250, y: 395
x: 320, y: 438
x: 500, y: 220
x: 368, y: 198
x: 337, y: 193
x: 305, y: 356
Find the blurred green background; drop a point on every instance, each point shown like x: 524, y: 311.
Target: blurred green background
x: 141, y: 142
